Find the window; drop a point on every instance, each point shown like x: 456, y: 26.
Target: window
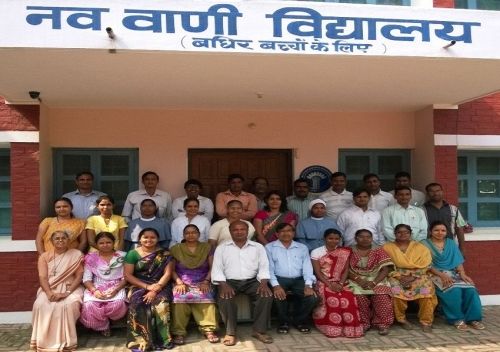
x: 479, y: 187
x: 478, y: 4
x: 5, y: 204
x: 115, y: 171
x: 384, y: 162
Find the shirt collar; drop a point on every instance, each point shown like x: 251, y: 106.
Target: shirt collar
x: 278, y: 243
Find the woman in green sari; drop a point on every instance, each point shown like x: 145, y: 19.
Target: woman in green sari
x: 148, y: 269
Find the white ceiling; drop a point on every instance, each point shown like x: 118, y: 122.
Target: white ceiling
x: 180, y: 80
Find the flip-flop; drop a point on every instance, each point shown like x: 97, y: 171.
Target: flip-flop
x: 229, y: 340
x: 178, y: 340
x: 262, y: 337
x: 212, y: 337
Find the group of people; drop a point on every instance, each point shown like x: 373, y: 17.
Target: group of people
x: 350, y: 261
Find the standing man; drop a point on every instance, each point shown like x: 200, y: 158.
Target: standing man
x: 235, y: 191
x: 379, y: 200
x: 260, y: 186
x: 132, y: 206
x: 219, y: 231
x: 193, y: 189
x: 291, y: 271
x: 241, y: 266
x: 84, y: 197
x: 360, y: 216
x: 437, y: 209
x: 337, y: 198
x: 311, y: 230
x: 403, y: 178
x: 299, y: 202
x: 404, y: 213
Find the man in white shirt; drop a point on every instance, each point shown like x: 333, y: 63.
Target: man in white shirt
x: 241, y: 266
x: 132, y: 206
x: 84, y: 197
x: 403, y: 178
x: 360, y: 216
x: 404, y: 213
x: 379, y: 200
x: 337, y: 198
x: 193, y: 189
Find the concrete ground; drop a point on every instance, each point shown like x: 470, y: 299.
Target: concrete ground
x: 445, y: 338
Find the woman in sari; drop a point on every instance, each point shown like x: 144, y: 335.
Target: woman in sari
x: 275, y: 212
x: 337, y: 313
x: 193, y: 293
x: 104, y: 297
x: 106, y: 221
x: 57, y: 305
x: 456, y: 291
x: 368, y: 270
x: 190, y: 216
x: 410, y: 281
x: 148, y: 269
x: 63, y: 221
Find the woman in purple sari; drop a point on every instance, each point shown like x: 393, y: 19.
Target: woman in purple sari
x: 193, y: 293
x: 148, y: 269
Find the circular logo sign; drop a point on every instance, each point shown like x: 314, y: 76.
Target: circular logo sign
x: 318, y: 176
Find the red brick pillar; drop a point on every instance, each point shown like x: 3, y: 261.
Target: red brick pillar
x: 444, y: 3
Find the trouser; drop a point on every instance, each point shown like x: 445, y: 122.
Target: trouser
x: 261, y: 306
x: 375, y: 310
x: 205, y: 315
x: 302, y: 305
x: 460, y: 304
x: 95, y: 315
x: 426, y: 308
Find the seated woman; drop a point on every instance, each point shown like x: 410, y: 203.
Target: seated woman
x: 104, y: 297
x: 148, y: 268
x: 411, y: 281
x: 63, y: 221
x: 337, y: 313
x: 193, y: 293
x: 58, y: 300
x: 455, y: 290
x: 190, y: 216
x: 106, y: 221
x: 275, y: 212
x: 368, y: 270
x: 148, y: 219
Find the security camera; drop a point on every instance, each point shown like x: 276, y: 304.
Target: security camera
x: 34, y: 94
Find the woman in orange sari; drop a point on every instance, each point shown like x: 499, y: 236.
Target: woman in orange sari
x: 57, y: 305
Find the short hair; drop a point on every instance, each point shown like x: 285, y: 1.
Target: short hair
x: 369, y: 176
x: 282, y: 225
x: 260, y: 178
x: 59, y: 231
x: 332, y: 231
x: 408, y: 227
x: 85, y: 172
x: 338, y: 174
x: 192, y: 181
x: 284, y: 204
x: 402, y: 188
x: 238, y: 222
x: 149, y: 200
x: 147, y: 173
x: 105, y: 196
x: 402, y: 174
x: 235, y: 176
x: 433, y: 184
x: 234, y: 201
x: 106, y: 234
x: 302, y: 180
x: 187, y: 200
x: 358, y: 191
x: 360, y: 231
x: 148, y: 229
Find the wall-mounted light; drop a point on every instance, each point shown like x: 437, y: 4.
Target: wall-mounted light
x: 110, y: 32
x: 453, y: 42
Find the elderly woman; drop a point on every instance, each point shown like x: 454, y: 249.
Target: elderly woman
x: 63, y: 221
x: 106, y: 221
x: 456, y: 291
x: 104, y: 297
x: 148, y: 268
x: 337, y: 314
x: 411, y: 281
x: 193, y: 293
x: 190, y: 216
x: 58, y: 300
x: 275, y: 212
x: 368, y: 270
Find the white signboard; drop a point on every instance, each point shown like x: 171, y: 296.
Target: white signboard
x: 274, y: 27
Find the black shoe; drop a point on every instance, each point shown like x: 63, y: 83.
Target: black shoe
x: 303, y: 328
x: 283, y: 329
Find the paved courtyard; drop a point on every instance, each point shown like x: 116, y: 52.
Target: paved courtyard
x: 445, y: 338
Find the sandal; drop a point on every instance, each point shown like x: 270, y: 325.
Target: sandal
x: 262, y: 337
x: 212, y: 337
x: 283, y: 329
x: 106, y: 333
x: 229, y: 340
x: 383, y: 331
x: 477, y: 325
x: 178, y: 340
x: 405, y: 325
x: 304, y: 329
x: 461, y: 326
x: 427, y: 328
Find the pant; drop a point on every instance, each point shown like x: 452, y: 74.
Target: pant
x: 95, y: 315
x: 205, y: 315
x: 261, y: 306
x: 460, y: 304
x: 426, y: 308
x: 375, y: 310
x: 302, y: 305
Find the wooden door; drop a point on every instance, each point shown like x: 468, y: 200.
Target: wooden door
x: 212, y: 166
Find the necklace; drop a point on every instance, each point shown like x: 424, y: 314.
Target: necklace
x: 56, y: 265
x: 439, y: 246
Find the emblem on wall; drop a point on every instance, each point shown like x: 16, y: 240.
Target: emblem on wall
x: 318, y: 176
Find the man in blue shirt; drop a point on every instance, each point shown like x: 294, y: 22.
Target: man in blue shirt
x: 291, y: 271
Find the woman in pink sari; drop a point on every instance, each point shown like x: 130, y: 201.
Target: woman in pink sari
x: 57, y: 305
x: 337, y: 313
